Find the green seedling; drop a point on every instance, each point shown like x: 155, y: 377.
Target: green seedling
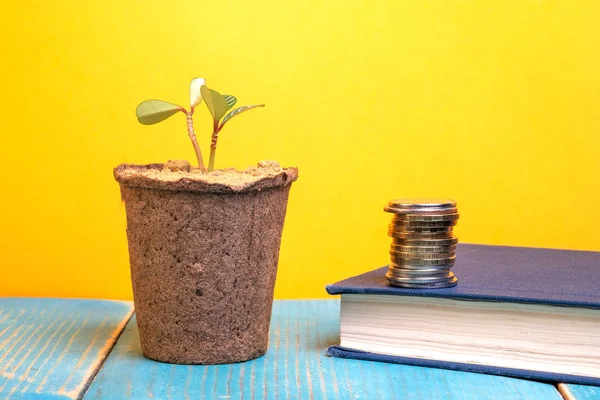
x: 150, y: 112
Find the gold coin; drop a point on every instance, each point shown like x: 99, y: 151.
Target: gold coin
x: 420, y: 235
x: 423, y: 224
x: 417, y: 229
x: 426, y: 242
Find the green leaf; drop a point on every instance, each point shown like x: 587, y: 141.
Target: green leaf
x: 238, y: 111
x: 215, y: 102
x: 230, y: 100
x: 195, y: 97
x: 152, y: 111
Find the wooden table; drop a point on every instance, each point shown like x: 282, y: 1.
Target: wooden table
x: 70, y: 349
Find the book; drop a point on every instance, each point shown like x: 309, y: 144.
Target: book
x: 516, y: 311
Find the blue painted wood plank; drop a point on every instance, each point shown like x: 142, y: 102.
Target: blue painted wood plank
x: 296, y: 367
x: 579, y: 392
x: 51, y: 348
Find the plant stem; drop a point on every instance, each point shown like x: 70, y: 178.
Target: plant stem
x: 211, y: 160
x: 213, y: 147
x: 190, y: 127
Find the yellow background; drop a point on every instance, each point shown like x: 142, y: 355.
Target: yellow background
x: 493, y: 103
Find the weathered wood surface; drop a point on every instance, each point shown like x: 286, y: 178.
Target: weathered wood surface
x: 295, y: 367
x: 579, y: 392
x: 51, y: 348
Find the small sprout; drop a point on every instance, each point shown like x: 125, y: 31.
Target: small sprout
x: 218, y: 106
x: 150, y: 112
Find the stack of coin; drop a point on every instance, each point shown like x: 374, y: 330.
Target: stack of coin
x: 423, y: 247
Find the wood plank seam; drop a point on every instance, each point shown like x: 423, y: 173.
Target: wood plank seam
x: 80, y: 391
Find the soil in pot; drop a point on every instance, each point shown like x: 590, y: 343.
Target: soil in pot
x: 203, y: 253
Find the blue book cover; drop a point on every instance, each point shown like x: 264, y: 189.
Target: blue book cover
x: 523, y: 275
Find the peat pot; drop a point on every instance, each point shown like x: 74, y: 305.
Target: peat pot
x: 203, y: 252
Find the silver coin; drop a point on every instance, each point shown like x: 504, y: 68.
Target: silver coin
x: 416, y: 262
x: 423, y: 249
x: 405, y: 255
x: 423, y: 224
x: 420, y: 203
x: 407, y: 273
x: 421, y: 262
x: 421, y: 279
x: 426, y: 242
x: 450, y: 283
x: 403, y: 235
x: 411, y: 206
x: 426, y: 217
x: 405, y: 267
